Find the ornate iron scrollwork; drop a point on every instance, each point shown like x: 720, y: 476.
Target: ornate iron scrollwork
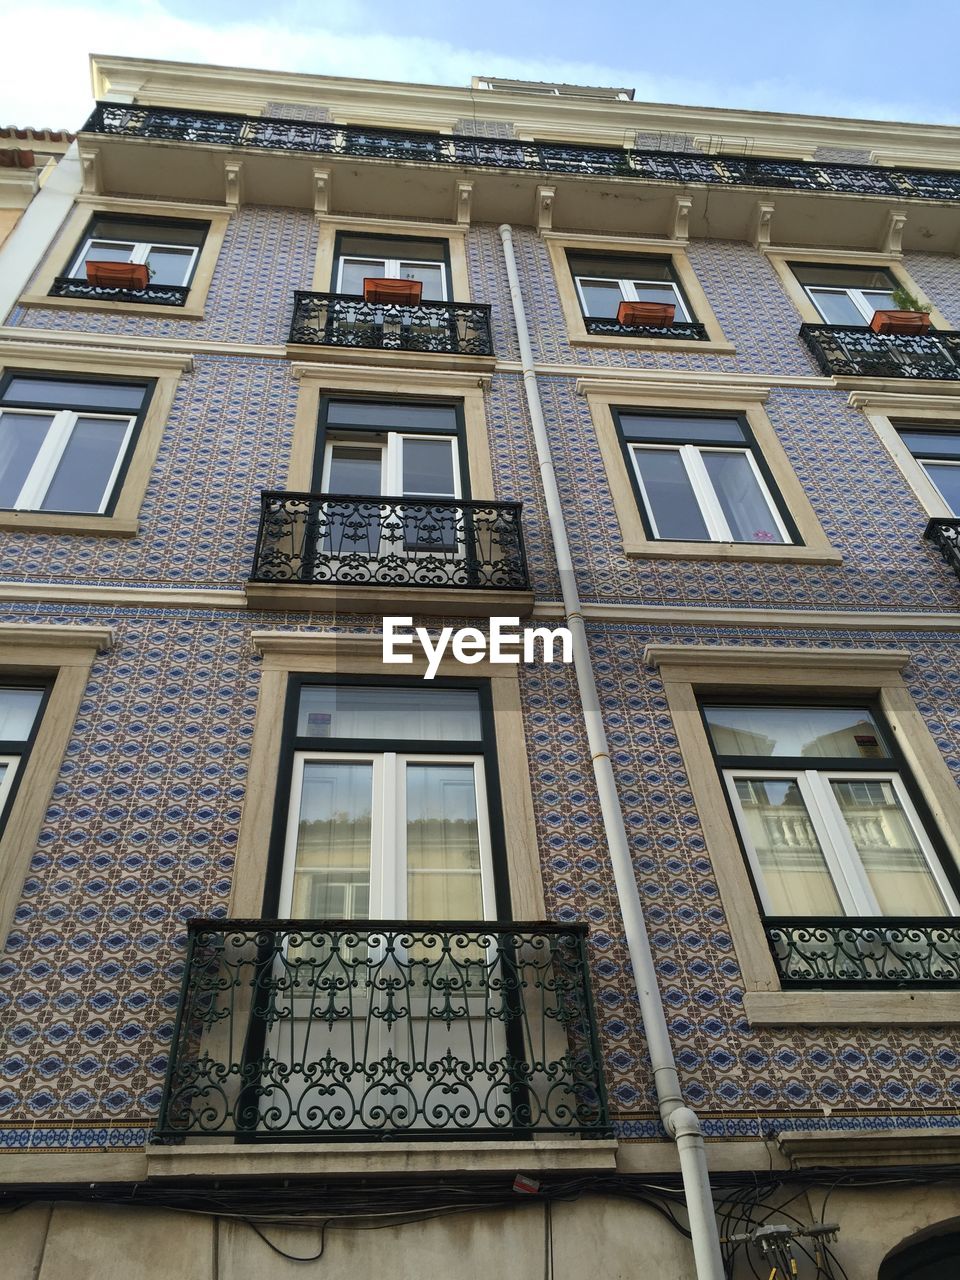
x: 158, y: 295
x: 874, y: 952
x: 855, y: 351
x: 339, y: 320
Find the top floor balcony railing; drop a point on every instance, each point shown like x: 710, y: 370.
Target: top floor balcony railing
x: 175, y: 124
x: 855, y: 351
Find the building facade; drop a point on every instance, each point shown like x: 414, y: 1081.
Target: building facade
x: 301, y: 943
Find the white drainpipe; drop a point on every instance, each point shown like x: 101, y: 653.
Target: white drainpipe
x: 680, y: 1122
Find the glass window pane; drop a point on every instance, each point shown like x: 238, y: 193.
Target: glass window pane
x: 921, y: 442
x: 428, y: 467
x: 669, y: 495
x: 806, y: 732
x: 80, y: 480
x: 354, y: 470
x: 795, y: 873
x: 18, y: 710
x: 401, y: 414
x: 692, y: 430
x: 169, y: 266
x: 600, y: 299
x: 844, y: 277
x: 401, y: 250
x: 891, y: 855
x: 443, y: 843
x: 430, y: 276
x: 741, y: 497
x: 663, y: 293
x: 331, y: 878
x: 837, y: 308
x: 625, y: 267
x: 946, y: 476
x: 148, y: 230
x: 384, y: 712
x: 21, y: 436
x: 354, y: 273
x: 880, y: 300
x: 61, y: 393
x: 103, y: 251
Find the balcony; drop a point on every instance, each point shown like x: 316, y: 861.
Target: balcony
x: 162, y: 295
x: 600, y: 188
x: 685, y: 331
x: 944, y: 533
x: 851, y: 351
x: 431, y: 555
x: 318, y: 1031
x: 346, y: 323
x: 882, y: 952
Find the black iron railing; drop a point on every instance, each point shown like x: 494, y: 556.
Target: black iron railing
x: 179, y: 125
x: 819, y: 952
x: 852, y: 351
x: 944, y: 533
x: 407, y: 542
x: 316, y: 1030
x: 338, y: 320
x: 159, y: 295
x: 691, y: 332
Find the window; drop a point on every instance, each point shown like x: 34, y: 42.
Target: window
x: 65, y: 442
x: 169, y: 249
x: 390, y: 792
x: 359, y: 257
x: 20, y: 711
x: 700, y: 479
x: 825, y: 813
x: 937, y: 450
x: 846, y: 295
x: 603, y: 282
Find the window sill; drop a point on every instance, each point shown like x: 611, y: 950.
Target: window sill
x: 857, y: 1006
x: 438, y: 602
x: 320, y: 1159
x: 658, y: 344
x: 302, y: 351
x: 778, y: 553
x: 67, y: 522
x: 188, y: 312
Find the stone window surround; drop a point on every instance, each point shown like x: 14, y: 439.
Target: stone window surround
x: 603, y: 394
x: 676, y: 250
x: 162, y: 368
x: 883, y: 410
x: 349, y: 655
x: 330, y: 224
x: 64, y: 250
x: 689, y: 670
x: 64, y: 653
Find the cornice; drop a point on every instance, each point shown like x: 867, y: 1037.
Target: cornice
x: 762, y: 659
x: 77, y: 351
x: 57, y: 635
x: 654, y: 615
x: 93, y: 343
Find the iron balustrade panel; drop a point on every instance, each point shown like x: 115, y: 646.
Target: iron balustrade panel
x: 162, y: 295
x: 691, y: 332
x: 357, y: 1030
x: 816, y: 952
x: 339, y: 320
x: 854, y: 351
x: 175, y: 124
x: 373, y: 541
x: 944, y: 533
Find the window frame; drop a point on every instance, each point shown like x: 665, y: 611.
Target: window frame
x: 141, y: 248
x: 338, y: 257
x: 20, y: 751
x: 855, y: 294
x: 628, y: 292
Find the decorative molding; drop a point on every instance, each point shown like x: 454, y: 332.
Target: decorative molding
x: 543, y: 209
x: 91, y: 169
x: 892, y: 239
x: 655, y: 615
x: 148, y: 204
x: 664, y: 383
x: 322, y: 191
x: 344, y: 377
x: 463, y: 197
x: 58, y: 635
x: 859, y: 1007
x: 865, y: 1148
x: 680, y: 219
x: 901, y: 402
x: 145, y: 346
x: 53, y: 347
x: 233, y: 183
x: 135, y: 597
x: 761, y: 225
x: 766, y: 662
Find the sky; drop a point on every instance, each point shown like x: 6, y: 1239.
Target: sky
x: 859, y: 58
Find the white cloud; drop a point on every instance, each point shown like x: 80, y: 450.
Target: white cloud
x: 51, y: 86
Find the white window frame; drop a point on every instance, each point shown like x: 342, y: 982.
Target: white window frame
x: 703, y: 491
x: 391, y: 269
x: 923, y: 463
x: 59, y: 434
x: 628, y: 293
x: 850, y: 880
x: 388, y: 862
x: 13, y: 763
x: 391, y: 462
x: 140, y: 251
x: 856, y: 296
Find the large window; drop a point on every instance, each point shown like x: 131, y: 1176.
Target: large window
x: 937, y: 450
x: 385, y: 804
x: 64, y: 442
x: 825, y: 812
x: 604, y: 282
x: 701, y: 479
x: 168, y: 248
x: 361, y: 257
x: 847, y: 295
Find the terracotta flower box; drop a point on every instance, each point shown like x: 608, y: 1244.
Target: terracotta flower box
x: 900, y: 321
x: 406, y: 293
x: 656, y: 314
x: 118, y: 275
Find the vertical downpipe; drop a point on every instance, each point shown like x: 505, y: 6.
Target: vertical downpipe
x: 680, y: 1122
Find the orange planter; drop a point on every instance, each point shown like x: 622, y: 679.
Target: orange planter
x: 118, y: 275
x: 900, y: 322
x: 659, y: 314
x: 405, y: 292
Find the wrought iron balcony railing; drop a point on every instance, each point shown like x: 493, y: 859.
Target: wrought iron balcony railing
x: 315, y: 1030
x: 690, y: 332
x: 916, y: 952
x: 409, y: 542
x: 179, y: 125
x: 162, y: 295
x: 852, y: 351
x: 944, y: 533
x: 339, y: 320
